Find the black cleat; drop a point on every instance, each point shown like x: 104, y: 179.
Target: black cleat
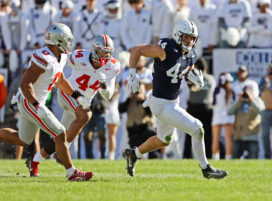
x: 131, y: 157
x: 211, y: 172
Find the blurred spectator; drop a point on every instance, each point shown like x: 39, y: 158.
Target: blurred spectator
x: 234, y: 18
x: 204, y: 16
x: 27, y: 5
x: 136, y: 25
x: 41, y: 16
x: 112, y: 23
x: 112, y: 120
x: 182, y: 11
x: 162, y: 22
x: 3, y: 91
x: 247, y: 110
x: 260, y: 28
x: 139, y: 119
x: 67, y: 15
x: 15, y: 25
x: 243, y: 81
x: 266, y: 95
x: 96, y: 128
x: 89, y: 25
x: 223, y: 98
x: 202, y: 101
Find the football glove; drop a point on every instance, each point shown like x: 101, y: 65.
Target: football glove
x: 102, y: 79
x: 196, y: 77
x: 133, y: 81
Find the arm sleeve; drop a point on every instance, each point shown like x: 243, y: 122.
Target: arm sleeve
x: 39, y: 59
x: 233, y: 108
x: 258, y: 105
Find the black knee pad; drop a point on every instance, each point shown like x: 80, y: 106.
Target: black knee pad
x: 49, y: 146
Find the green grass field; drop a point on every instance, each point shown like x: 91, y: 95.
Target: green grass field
x: 171, y: 180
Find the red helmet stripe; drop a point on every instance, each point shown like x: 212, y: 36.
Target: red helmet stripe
x: 106, y: 39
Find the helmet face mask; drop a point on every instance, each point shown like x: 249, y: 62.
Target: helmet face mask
x: 102, y: 49
x: 60, y: 35
x: 185, y: 34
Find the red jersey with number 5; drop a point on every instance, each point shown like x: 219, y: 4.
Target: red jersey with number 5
x: 84, y: 76
x: 46, y: 60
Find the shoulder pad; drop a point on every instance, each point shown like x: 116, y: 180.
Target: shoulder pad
x: 41, y: 57
x: 79, y: 56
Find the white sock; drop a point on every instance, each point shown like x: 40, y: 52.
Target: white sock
x: 138, y: 153
x: 38, y: 157
x: 199, y: 149
x: 70, y: 171
x: 111, y: 155
x: 228, y: 157
x: 216, y: 156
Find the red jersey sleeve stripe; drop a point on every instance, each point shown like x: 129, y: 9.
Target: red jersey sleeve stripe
x: 71, y: 59
x: 40, y: 59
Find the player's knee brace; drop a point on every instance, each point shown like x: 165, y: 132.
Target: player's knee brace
x: 49, y: 146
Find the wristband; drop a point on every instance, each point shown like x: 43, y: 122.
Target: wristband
x: 76, y: 94
x: 35, y: 104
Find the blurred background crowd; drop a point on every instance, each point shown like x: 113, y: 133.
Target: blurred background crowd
x: 235, y: 104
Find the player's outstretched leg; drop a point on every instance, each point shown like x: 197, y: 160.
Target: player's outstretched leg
x: 211, y: 172
x: 199, y: 148
x: 130, y: 156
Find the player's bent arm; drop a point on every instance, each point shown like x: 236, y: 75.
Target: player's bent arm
x: 64, y: 85
x: 29, y: 78
x: 108, y: 92
x: 152, y: 51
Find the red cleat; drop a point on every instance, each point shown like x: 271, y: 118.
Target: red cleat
x: 81, y: 176
x: 33, y: 167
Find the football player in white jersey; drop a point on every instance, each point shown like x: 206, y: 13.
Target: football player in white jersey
x: 46, y: 70
x: 92, y: 71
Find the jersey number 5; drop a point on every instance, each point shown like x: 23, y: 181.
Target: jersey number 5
x: 83, y: 83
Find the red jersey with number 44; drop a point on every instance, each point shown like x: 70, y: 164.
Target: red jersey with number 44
x: 84, y: 76
x: 46, y: 60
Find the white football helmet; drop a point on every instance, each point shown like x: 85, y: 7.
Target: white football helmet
x: 102, y: 43
x: 185, y: 27
x: 60, y: 35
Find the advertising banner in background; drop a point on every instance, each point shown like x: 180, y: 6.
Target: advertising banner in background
x: 228, y: 60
